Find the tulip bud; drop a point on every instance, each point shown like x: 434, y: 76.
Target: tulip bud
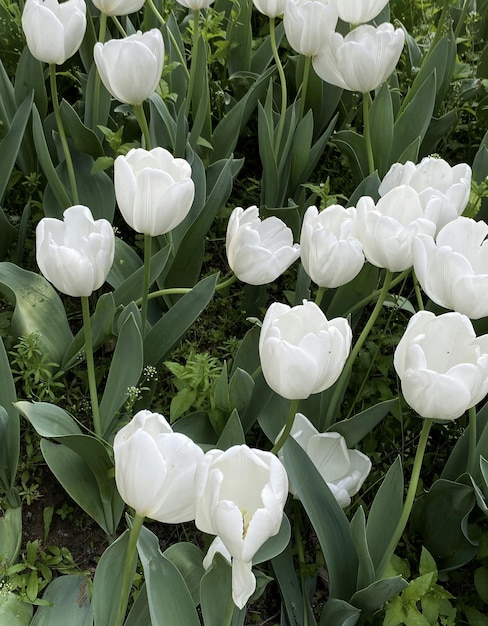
x: 154, y: 191
x: 442, y: 365
x: 155, y: 469
x: 305, y: 23
x: 240, y: 496
x: 359, y: 11
x: 258, y: 251
x: 54, y: 31
x: 343, y: 470
x: 443, y: 190
x: 453, y: 269
x: 362, y: 60
x: 77, y: 254
x: 130, y: 68
x: 118, y: 7
x: 331, y: 253
x: 301, y: 351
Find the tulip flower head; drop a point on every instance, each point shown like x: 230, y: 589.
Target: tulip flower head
x: 154, y: 190
x: 343, y: 470
x: 388, y: 228
x: 359, y: 11
x: 259, y: 251
x: 240, y: 495
x: 130, y: 68
x: 195, y: 5
x: 331, y: 253
x: 362, y: 60
x: 453, y: 269
x: 443, y: 190
x: 118, y: 7
x: 305, y: 22
x: 76, y: 254
x: 54, y: 31
x: 442, y: 365
x: 155, y: 468
x: 271, y: 8
x: 301, y: 351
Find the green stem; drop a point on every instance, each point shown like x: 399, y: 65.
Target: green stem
x: 141, y: 120
x: 288, y: 426
x: 194, y: 57
x: 462, y: 18
x: 175, y: 291
x: 145, y: 283
x: 62, y: 133
x: 418, y: 294
x: 473, y: 440
x: 130, y: 559
x: 367, y: 131
x: 319, y: 295
x: 376, y: 293
x: 279, y: 66
x: 90, y: 364
x: 118, y: 26
x: 303, y: 92
x: 341, y: 383
x: 409, y: 500
x: 160, y: 19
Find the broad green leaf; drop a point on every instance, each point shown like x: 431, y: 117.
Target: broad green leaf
x: 327, y: 518
x: 270, y: 180
x: 38, y: 308
x: 161, y: 121
x: 188, y: 559
x: 9, y: 424
x: 263, y: 56
x: 10, y: 535
x: 14, y: 612
x: 216, y: 593
x: 200, y: 102
x: 69, y: 597
x: 126, y: 262
x: 339, y: 613
x: 375, y: 595
x: 84, y: 139
x: 481, y: 582
x: 353, y: 146
x: 175, y: 606
x: 197, y: 426
x: 94, y: 118
x: 357, y: 528
x: 139, y: 613
x: 240, y: 390
x: 239, y: 32
x: 274, y: 545
x: 48, y: 419
x: 232, y: 434
x: 381, y: 122
x: 29, y: 77
x: 355, y: 428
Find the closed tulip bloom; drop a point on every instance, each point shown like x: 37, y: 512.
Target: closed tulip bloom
x: 331, y: 253
x: 271, y: 8
x: 118, y: 7
x: 362, y: 60
x: 155, y: 469
x: 453, y: 269
x: 154, y: 190
x: 240, y: 495
x: 443, y: 190
x: 76, y: 254
x: 359, y: 11
x: 130, y: 68
x: 258, y: 251
x: 442, y: 365
x: 342, y: 469
x: 54, y: 31
x: 305, y: 22
x: 388, y: 228
x: 195, y: 5
x: 301, y: 351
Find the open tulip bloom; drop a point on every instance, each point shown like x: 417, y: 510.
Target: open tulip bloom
x: 301, y: 351
x: 443, y: 190
x: 259, y: 251
x: 240, y: 495
x: 442, y: 365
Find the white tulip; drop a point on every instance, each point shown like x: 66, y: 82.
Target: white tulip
x: 154, y: 190
x: 259, y: 251
x: 155, y: 468
x: 54, y: 31
x: 359, y: 11
x: 76, y: 254
x: 301, y: 351
x: 118, y: 7
x: 195, y: 5
x: 442, y: 365
x: 271, y: 8
x: 240, y: 495
x: 305, y: 22
x: 330, y: 251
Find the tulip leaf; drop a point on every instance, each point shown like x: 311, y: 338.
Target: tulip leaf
x: 263, y: 56
x: 9, y: 424
x: 381, y: 123
x: 94, y: 118
x: 339, y: 613
x: 69, y: 599
x: 107, y: 583
x: 188, y: 559
x: 139, y: 613
x: 38, y: 309
x: 366, y: 574
x: 13, y: 611
x: 270, y: 180
x: 200, y: 102
x: 10, y: 535
x: 29, y: 77
x: 275, y: 544
x: 84, y: 139
x: 126, y: 262
x: 355, y: 428
x: 240, y: 390
x: 175, y: 606
x: 327, y: 518
x: 125, y: 371
x: 353, y: 146
x: 197, y: 426
x: 232, y: 434
x: 378, y: 593
x: 48, y: 419
x: 216, y: 595
x: 166, y: 333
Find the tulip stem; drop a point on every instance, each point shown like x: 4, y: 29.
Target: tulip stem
x: 344, y: 377
x: 376, y: 293
x: 160, y: 19
x: 145, y: 284
x: 473, y: 440
x: 367, y: 131
x: 176, y: 291
x: 96, y: 85
x: 118, y: 26
x: 194, y: 56
x: 303, y: 92
x: 409, y: 500
x: 288, y: 426
x: 90, y: 365
x: 130, y: 558
x: 279, y: 66
x: 141, y: 120
x: 418, y: 295
x: 462, y: 19
x: 62, y: 133
x: 319, y: 295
